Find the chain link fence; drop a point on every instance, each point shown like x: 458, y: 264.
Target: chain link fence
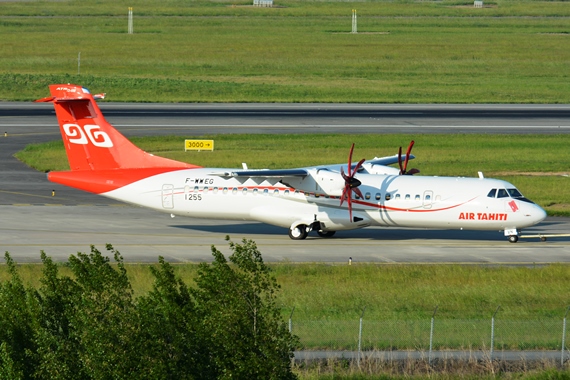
x: 433, y: 334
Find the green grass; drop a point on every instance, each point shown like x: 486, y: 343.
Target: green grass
x: 225, y: 51
x: 400, y: 301
x: 536, y: 164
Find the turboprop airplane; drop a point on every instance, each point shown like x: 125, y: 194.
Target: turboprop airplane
x: 324, y: 198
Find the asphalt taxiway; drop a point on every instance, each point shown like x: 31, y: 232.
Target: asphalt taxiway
x: 142, y: 235
x: 38, y: 215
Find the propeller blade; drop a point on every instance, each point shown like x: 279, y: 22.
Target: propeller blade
x: 344, y: 194
x: 344, y: 176
x: 357, y: 167
x: 358, y: 192
x: 350, y: 183
x: 350, y: 204
x: 400, y: 160
x: 408, y: 155
x: 412, y: 171
x: 350, y: 159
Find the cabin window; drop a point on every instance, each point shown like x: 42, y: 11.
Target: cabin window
x: 378, y: 196
x: 234, y: 190
x: 255, y: 191
x: 397, y: 196
x: 388, y: 196
x: 356, y: 196
x: 286, y: 192
x: 215, y: 190
x: 367, y: 195
x: 225, y: 191
x: 438, y: 198
x: 417, y: 197
x: 276, y: 192
x: 407, y: 197
x: 244, y: 191
x: 205, y: 189
x: 196, y: 188
x: 428, y: 197
x: 265, y: 191
x: 492, y: 193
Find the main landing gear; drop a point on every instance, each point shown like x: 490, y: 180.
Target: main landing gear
x: 300, y: 231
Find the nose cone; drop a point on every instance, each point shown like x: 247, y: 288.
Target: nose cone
x: 535, y: 214
x: 539, y: 214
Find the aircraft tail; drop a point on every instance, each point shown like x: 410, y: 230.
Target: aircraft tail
x: 101, y: 159
x: 90, y: 141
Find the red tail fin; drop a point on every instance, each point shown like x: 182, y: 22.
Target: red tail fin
x: 90, y: 141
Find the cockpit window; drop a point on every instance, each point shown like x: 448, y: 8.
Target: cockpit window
x: 514, y: 193
x: 506, y: 193
x: 502, y: 193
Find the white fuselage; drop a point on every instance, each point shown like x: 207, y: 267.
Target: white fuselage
x: 388, y: 200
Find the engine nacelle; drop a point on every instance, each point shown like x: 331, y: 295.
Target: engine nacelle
x: 340, y: 220
x: 321, y: 181
x: 380, y: 169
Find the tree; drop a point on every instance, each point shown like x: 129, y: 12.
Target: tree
x: 58, y: 345
x: 104, y: 318
x: 18, y: 307
x: 89, y: 326
x: 171, y: 346
x: 236, y: 303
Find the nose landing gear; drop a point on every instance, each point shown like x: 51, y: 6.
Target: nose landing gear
x: 512, y: 234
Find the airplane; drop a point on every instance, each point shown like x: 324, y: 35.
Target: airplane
x: 323, y: 198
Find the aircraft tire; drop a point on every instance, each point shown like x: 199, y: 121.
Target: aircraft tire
x: 513, y: 238
x: 298, y: 232
x: 326, y: 234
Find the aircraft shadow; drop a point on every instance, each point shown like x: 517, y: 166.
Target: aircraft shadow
x: 380, y: 234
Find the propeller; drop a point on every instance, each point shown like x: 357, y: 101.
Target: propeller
x: 350, y: 183
x: 404, y: 166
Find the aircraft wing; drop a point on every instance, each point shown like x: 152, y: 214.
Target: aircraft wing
x: 264, y: 173
x: 390, y: 160
x: 303, y: 172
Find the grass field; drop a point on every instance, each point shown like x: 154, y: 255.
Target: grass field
x: 536, y: 164
x: 400, y: 300
x: 300, y: 51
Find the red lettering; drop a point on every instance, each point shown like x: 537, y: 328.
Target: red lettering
x: 471, y: 216
x: 461, y: 215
